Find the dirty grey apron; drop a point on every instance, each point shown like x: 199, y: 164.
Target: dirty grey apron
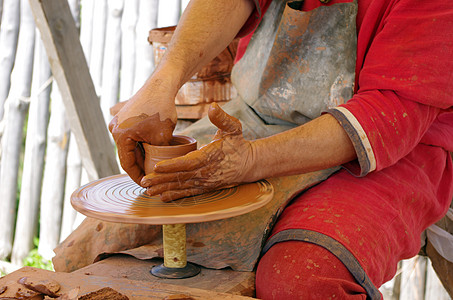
x: 296, y: 65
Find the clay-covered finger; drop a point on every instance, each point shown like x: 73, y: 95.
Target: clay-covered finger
x: 224, y: 121
x: 128, y: 159
x: 113, y: 123
x: 172, y: 186
x: 159, y: 178
x: 189, y: 162
x: 173, y: 195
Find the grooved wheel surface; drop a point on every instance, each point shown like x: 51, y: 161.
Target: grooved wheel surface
x: 118, y: 199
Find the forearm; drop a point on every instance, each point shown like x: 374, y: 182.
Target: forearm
x: 319, y: 144
x: 205, y: 29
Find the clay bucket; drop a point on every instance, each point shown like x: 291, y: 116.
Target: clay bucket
x: 179, y: 146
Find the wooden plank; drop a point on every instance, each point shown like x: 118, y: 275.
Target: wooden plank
x: 53, y: 19
x: 135, y: 290
x: 125, y: 266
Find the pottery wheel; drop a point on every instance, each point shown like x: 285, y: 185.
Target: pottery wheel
x: 119, y: 199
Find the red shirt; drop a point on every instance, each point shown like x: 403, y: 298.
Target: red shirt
x: 401, y: 115
x: 404, y: 82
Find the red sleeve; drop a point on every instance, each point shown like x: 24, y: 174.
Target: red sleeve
x: 405, y: 82
x: 255, y: 18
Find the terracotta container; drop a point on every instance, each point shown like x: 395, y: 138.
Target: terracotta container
x: 179, y: 146
x: 212, y: 83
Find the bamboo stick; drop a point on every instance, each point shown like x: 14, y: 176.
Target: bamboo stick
x: 98, y: 43
x: 80, y: 217
x: 147, y: 20
x: 74, y: 6
x: 7, y: 267
x: 169, y: 13
x: 112, y: 58
x: 184, y: 4
x: 9, y: 33
x: 1, y: 10
x: 17, y: 106
x: 35, y: 148
x: 54, y: 177
x: 86, y: 28
x: 73, y: 180
x: 128, y: 36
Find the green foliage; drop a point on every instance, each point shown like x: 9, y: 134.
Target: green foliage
x: 34, y: 259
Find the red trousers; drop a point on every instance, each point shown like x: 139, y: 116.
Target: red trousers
x: 300, y: 270
x: 378, y: 219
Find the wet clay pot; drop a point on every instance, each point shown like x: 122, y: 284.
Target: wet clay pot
x: 179, y: 146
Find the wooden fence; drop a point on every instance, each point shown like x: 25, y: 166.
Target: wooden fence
x: 40, y: 169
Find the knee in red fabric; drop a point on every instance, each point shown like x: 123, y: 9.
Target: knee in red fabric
x: 301, y: 270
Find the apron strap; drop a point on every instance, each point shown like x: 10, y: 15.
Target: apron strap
x: 337, y: 249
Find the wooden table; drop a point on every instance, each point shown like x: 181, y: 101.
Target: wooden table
x: 97, y: 276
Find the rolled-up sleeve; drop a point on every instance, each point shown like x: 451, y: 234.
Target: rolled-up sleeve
x: 404, y: 84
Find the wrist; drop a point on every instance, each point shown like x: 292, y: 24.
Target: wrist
x: 173, y: 72
x: 253, y: 170
x: 164, y: 83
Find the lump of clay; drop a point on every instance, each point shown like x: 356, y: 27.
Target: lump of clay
x: 17, y: 291
x: 104, y: 293
x: 45, y: 286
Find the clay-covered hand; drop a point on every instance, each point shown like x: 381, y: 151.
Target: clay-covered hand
x: 225, y: 161
x: 149, y: 117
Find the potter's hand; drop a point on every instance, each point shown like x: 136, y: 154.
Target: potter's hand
x: 223, y: 162
x: 150, y: 117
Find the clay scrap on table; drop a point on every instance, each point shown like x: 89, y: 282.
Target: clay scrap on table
x: 104, y: 293
x: 44, y: 286
x: 29, y: 288
x: 15, y: 290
